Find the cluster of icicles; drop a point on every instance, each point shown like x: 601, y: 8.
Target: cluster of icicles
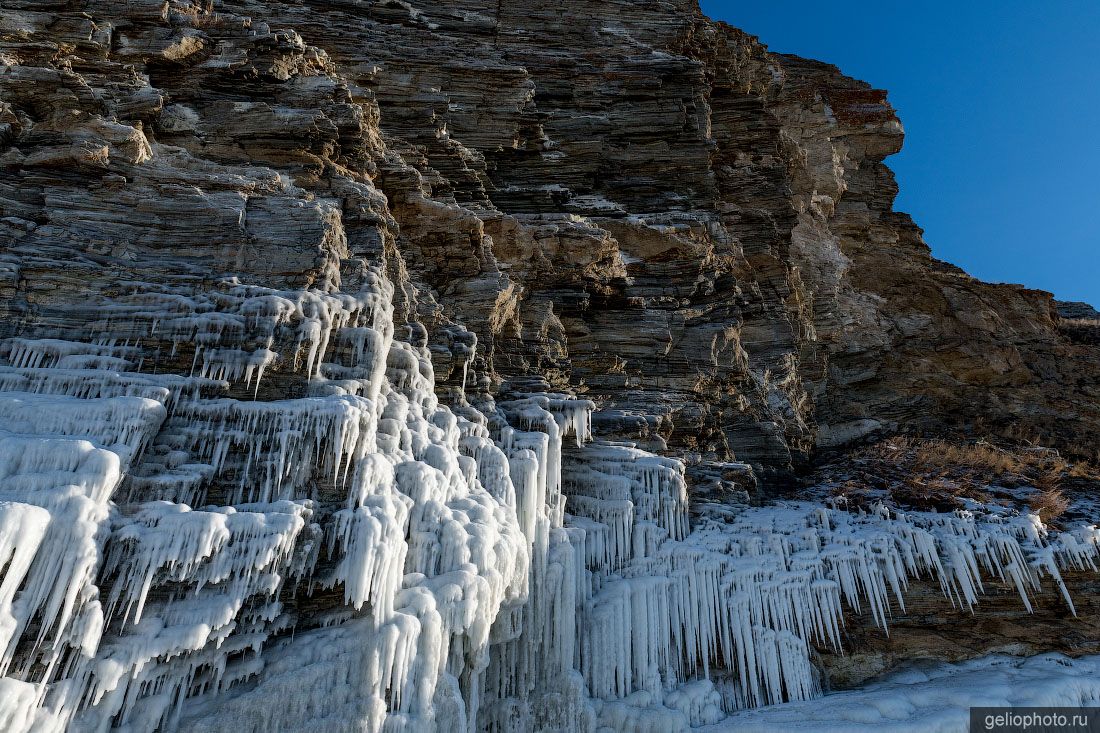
x: 363, y: 558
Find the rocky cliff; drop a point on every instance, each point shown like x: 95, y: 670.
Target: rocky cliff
x: 218, y: 206
x: 625, y: 200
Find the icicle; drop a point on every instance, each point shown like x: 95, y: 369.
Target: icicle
x: 374, y: 560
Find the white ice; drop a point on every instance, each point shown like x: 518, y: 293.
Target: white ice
x: 935, y: 698
x: 179, y: 553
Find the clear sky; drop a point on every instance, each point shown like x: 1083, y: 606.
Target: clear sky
x: 1001, y: 106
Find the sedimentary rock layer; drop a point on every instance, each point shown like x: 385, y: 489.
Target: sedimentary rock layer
x: 625, y: 200
x: 302, y: 304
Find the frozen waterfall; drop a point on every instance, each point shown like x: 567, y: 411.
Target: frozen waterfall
x: 180, y: 552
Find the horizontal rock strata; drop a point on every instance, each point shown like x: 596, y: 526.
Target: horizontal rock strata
x: 310, y: 313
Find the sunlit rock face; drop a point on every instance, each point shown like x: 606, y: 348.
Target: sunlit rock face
x: 360, y: 362
x: 625, y: 200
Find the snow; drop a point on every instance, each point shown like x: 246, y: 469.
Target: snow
x: 935, y: 698
x: 180, y: 554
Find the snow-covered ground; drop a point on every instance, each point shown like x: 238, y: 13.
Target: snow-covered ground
x: 934, y: 698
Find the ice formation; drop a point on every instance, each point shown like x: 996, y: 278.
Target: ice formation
x: 935, y: 698
x: 180, y: 552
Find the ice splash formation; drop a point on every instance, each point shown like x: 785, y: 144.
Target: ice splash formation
x: 179, y: 551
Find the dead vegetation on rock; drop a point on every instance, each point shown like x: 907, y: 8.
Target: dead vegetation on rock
x: 943, y: 474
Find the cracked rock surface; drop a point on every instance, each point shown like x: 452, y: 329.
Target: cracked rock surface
x: 625, y: 200
x: 256, y: 252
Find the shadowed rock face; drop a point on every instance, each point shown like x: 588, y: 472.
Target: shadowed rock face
x: 929, y: 628
x: 622, y: 199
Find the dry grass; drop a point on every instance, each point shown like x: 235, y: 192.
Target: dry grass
x: 987, y: 458
x: 1083, y: 470
x: 1082, y: 322
x: 937, y: 492
x: 1049, y: 504
x: 941, y: 474
x: 1081, y: 330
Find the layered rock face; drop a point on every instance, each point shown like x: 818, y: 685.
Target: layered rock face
x: 348, y: 274
x: 627, y: 201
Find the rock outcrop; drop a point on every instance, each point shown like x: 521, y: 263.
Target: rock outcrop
x: 446, y: 220
x: 628, y: 201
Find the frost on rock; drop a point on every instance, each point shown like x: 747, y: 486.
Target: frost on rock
x: 180, y: 551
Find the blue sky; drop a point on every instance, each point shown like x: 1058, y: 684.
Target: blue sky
x: 1001, y: 107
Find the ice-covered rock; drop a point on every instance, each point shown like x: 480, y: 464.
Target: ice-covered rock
x: 364, y: 557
